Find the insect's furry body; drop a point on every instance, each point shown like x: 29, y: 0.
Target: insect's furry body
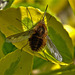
x: 38, y: 38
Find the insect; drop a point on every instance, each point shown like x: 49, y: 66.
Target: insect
x: 38, y: 38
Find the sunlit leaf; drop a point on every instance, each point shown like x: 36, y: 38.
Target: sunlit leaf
x: 10, y: 26
x: 60, y: 38
x: 71, y: 32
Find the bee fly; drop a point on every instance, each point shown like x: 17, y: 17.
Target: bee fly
x: 38, y: 38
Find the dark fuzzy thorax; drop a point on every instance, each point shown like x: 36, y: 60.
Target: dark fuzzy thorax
x: 38, y: 39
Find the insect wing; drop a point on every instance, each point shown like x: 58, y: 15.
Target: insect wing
x: 53, y: 50
x: 19, y: 37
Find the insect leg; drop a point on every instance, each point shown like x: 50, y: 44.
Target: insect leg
x: 24, y: 46
x: 45, y: 55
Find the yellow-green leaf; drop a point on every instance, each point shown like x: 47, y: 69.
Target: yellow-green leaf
x: 5, y: 47
x: 10, y: 25
x: 72, y: 3
x: 16, y: 63
x: 60, y: 38
x: 2, y: 40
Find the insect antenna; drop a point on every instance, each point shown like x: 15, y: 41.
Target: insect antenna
x: 45, y: 13
x: 30, y: 15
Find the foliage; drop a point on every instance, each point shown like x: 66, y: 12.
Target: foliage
x: 13, y: 60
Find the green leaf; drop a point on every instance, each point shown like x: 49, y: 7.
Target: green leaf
x: 43, y: 66
x: 38, y: 62
x: 72, y: 3
x: 5, y: 47
x: 16, y: 63
x: 60, y: 38
x: 8, y: 47
x: 10, y: 25
x: 2, y: 40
